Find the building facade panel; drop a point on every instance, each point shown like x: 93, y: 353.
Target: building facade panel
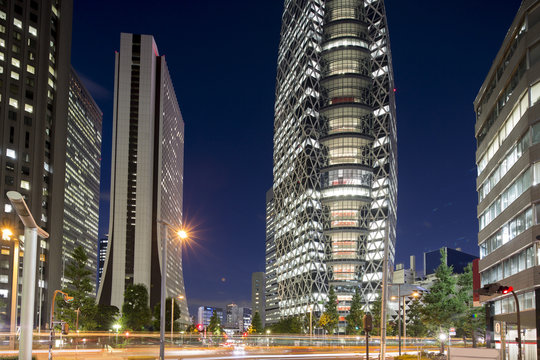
x: 508, y: 159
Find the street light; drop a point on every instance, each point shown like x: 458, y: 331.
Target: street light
x: 7, y: 236
x: 180, y: 297
x: 398, y: 298
x: 182, y: 234
x: 31, y: 232
x: 67, y: 299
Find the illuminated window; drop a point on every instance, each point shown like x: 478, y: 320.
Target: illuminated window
x: 2, y: 43
x: 32, y: 30
x: 5, y: 252
x: 14, y: 103
x: 25, y: 185
x: 15, y: 62
x: 17, y: 23
x: 4, y: 279
x: 3, y: 15
x: 30, y: 69
x: 42, y: 257
x: 8, y: 208
x: 28, y: 108
x: 15, y: 75
x: 1, y: 56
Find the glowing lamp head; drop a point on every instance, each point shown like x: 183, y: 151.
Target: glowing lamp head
x: 6, y: 234
x: 68, y: 298
x: 507, y: 289
x: 442, y: 336
x: 415, y: 294
x: 182, y: 234
x: 116, y: 327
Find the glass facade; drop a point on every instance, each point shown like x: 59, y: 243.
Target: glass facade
x: 83, y: 160
x: 335, y: 183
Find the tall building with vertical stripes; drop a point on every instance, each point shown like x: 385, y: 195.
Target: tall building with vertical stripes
x: 146, y: 177
x: 335, y: 155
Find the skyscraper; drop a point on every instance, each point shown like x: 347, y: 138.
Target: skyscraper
x: 146, y: 177
x: 508, y: 159
x: 257, y: 295
x: 83, y: 165
x: 35, y: 47
x: 335, y: 165
x: 271, y: 307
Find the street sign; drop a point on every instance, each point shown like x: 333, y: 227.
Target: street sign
x: 452, y: 331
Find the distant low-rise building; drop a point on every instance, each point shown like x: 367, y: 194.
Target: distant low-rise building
x: 204, y: 314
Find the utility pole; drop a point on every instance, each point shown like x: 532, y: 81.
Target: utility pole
x: 384, y: 295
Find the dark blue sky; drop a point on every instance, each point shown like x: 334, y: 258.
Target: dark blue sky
x: 222, y: 58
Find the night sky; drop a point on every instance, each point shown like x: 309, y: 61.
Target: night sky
x: 222, y: 57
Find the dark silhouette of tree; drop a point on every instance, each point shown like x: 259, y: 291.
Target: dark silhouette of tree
x: 136, y: 314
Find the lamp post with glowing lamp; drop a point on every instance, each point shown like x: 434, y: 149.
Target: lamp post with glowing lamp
x: 164, y: 244
x: 399, y: 297
x: 180, y: 297
x: 67, y: 299
x: 31, y: 233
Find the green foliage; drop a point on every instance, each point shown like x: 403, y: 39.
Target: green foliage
x: 288, y: 325
x: 256, y: 323
x: 356, y: 315
x: 442, y: 305
x: 376, y: 315
x: 330, y: 317
x: 473, y: 320
x: 106, y: 317
x: 80, y: 288
x: 215, y: 324
x: 415, y: 326
x: 136, y: 314
x: 157, y: 316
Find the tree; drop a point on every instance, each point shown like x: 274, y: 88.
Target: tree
x: 288, y: 325
x: 356, y: 315
x: 157, y: 315
x: 415, y: 326
x: 442, y: 305
x: 331, y: 316
x: 473, y: 319
x: 80, y: 288
x: 376, y: 314
x: 256, y: 323
x: 136, y: 314
x: 215, y: 324
x: 106, y: 316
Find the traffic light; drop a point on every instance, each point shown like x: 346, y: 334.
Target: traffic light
x: 200, y: 327
x: 368, y: 322
x: 495, y: 288
x: 65, y: 328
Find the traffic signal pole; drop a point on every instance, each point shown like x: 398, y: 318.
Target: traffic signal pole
x: 520, y: 356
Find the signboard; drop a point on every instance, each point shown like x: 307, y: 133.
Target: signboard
x: 452, y: 332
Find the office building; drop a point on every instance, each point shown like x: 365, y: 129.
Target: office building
x: 35, y: 47
x: 83, y: 164
x: 454, y: 257
x: 231, y: 319
x: 508, y: 159
x: 335, y: 164
x: 102, y: 256
x: 271, y: 307
x: 146, y: 177
x: 257, y: 294
x: 204, y: 313
x: 405, y: 276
